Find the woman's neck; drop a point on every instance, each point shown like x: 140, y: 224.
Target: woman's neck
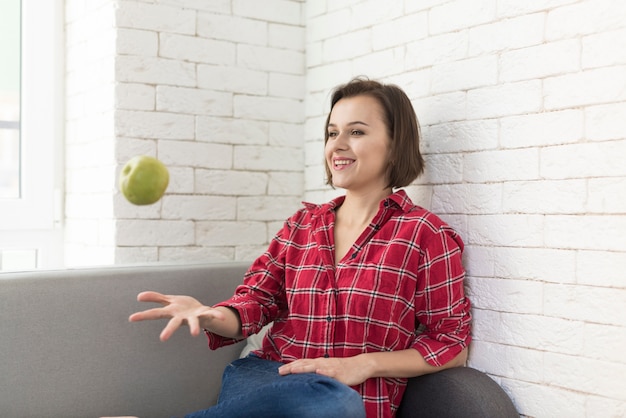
x: 359, y: 209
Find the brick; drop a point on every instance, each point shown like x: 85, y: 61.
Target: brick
x: 601, y: 268
x: 605, y: 122
x: 195, y: 253
x: 586, y: 160
x: 547, y: 59
x: 219, y: 233
x: 286, y: 36
x: 231, y: 130
x: 479, y: 260
x: 267, y: 158
x: 607, y: 195
x: 600, y: 305
x: 545, y: 196
x: 540, y: 400
x: 270, y: 59
x: 604, y: 342
x: 232, y: 29
x: 314, y: 179
x: 347, y: 46
x: 133, y: 255
x: 421, y: 195
x: 581, y: 374
x: 199, y: 207
x: 413, y: 26
x: 231, y: 183
x: 194, y: 101
x: 517, y: 8
x: 131, y: 232
x: 123, y: 209
x: 604, y: 49
x: 181, y: 180
x: 459, y: 14
x: 506, y: 230
x: 370, y: 13
x: 160, y: 18
x: 600, y: 407
x: 290, y: 11
x: 467, y: 198
x: 328, y: 25
x: 287, y: 135
x: 501, y: 165
x: 233, y: 79
x: 196, y: 154
x: 387, y: 62
x: 216, y: 6
x: 463, y: 136
x: 415, y: 83
x: 517, y: 296
x: 136, y: 42
x: 506, y: 34
x: 442, y: 169
x: 196, y: 49
x: 540, y: 264
x: 546, y: 128
x: 154, y: 70
x: 436, y: 49
x: 268, y: 108
x: 441, y: 108
x: 504, y: 360
x: 132, y: 96
x: 287, y: 85
x: 590, y: 232
x: 585, y: 17
x: 249, y: 252
x: 286, y: 183
x: 140, y: 124
x: 266, y: 208
x: 505, y: 100
x: 465, y: 74
x: 589, y: 87
x: 540, y: 333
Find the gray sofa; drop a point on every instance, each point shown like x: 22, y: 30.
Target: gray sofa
x: 68, y: 350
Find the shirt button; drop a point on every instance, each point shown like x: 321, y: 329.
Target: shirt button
x: 353, y: 256
x: 326, y: 355
x: 328, y: 318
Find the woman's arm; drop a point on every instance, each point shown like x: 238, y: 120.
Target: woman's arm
x: 355, y: 370
x: 185, y: 310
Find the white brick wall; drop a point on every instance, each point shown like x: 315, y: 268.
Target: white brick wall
x: 522, y: 108
x: 213, y: 89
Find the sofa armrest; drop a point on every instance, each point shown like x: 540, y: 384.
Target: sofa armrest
x: 460, y: 392
x: 68, y: 348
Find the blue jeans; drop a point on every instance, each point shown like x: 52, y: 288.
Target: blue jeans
x: 251, y: 386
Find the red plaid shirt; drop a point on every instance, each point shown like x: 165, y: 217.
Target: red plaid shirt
x: 400, y: 286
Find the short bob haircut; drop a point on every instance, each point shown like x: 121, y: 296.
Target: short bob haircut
x: 406, y: 162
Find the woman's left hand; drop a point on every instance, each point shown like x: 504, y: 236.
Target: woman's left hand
x: 351, y: 371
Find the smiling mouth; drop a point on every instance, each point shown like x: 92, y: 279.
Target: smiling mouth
x: 342, y: 163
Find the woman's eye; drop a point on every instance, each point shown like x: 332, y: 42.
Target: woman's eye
x: 332, y: 134
x: 357, y: 132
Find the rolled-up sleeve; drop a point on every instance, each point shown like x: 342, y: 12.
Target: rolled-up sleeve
x: 442, y: 309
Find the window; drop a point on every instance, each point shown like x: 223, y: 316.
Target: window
x: 31, y: 121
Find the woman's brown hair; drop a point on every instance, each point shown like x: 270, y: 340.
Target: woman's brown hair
x: 406, y: 162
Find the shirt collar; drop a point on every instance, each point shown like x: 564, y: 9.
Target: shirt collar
x: 399, y: 199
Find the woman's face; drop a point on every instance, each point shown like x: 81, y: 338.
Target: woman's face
x: 357, y: 149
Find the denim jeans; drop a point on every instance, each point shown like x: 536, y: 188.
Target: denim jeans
x: 251, y: 386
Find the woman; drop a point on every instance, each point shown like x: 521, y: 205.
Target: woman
x: 364, y: 291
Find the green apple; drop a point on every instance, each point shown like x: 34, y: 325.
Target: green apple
x: 143, y: 180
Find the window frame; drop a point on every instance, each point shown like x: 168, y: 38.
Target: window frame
x: 35, y: 219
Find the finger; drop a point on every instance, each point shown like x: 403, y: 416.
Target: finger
x: 155, y: 313
x: 150, y: 296
x: 170, y: 328
x: 194, y: 325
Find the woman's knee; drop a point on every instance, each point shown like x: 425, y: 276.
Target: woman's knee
x: 330, y: 398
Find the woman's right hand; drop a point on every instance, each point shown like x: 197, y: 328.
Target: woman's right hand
x: 181, y: 310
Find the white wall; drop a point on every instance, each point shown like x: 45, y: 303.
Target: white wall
x: 523, y: 110
x: 213, y: 89
x: 522, y: 107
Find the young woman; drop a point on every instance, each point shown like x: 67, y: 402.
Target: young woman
x: 364, y: 291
